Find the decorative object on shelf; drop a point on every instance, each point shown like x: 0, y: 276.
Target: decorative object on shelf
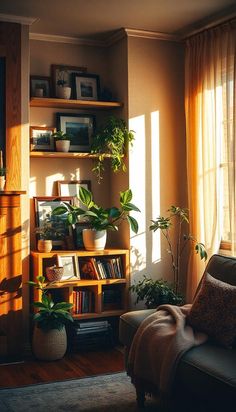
x: 69, y: 262
x: 86, y: 86
x: 64, y: 73
x: 55, y: 227
x: 113, y: 139
x: 63, y: 91
x: 49, y: 337
x: 54, y: 273
x: 98, y: 218
x: 80, y: 127
x: 71, y: 188
x: 44, y: 245
x: 178, y: 216
x: 2, y: 173
x: 62, y: 141
x: 155, y: 293
x: 40, y: 86
x: 41, y: 138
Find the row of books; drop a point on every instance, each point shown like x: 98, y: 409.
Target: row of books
x: 83, y: 301
x: 101, y: 268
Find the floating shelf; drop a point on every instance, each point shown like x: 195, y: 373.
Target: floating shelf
x: 72, y: 104
x: 67, y: 155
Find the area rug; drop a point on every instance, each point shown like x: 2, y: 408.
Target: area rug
x: 113, y: 393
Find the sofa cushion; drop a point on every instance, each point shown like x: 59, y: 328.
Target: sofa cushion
x: 207, y: 372
x: 129, y: 323
x: 214, y: 310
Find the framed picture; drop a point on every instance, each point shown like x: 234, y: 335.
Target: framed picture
x: 41, y: 138
x: 63, y: 74
x: 86, y: 86
x: 71, y: 188
x: 43, y: 207
x: 70, y: 266
x: 80, y: 128
x: 40, y: 86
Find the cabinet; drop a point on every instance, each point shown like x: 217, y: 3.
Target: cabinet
x: 109, y: 296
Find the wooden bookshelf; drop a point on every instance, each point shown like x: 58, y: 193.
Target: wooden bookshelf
x: 49, y: 102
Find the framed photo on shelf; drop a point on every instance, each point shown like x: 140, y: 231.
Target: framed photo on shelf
x: 43, y: 207
x: 41, y: 138
x: 40, y: 86
x: 80, y: 128
x: 70, y: 265
x: 61, y: 73
x: 86, y: 86
x: 71, y: 188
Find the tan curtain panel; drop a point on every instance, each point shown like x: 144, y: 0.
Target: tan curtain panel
x: 210, y: 133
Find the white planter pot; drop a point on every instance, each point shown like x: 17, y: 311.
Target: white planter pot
x: 63, y: 92
x: 62, y: 145
x: 94, y: 239
x: 44, y: 246
x: 2, y: 182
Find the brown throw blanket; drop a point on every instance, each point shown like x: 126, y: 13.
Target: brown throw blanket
x: 160, y: 341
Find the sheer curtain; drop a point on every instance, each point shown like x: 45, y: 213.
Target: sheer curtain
x: 210, y: 133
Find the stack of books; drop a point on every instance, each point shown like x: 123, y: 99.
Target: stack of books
x: 101, y: 268
x: 90, y: 335
x: 83, y: 301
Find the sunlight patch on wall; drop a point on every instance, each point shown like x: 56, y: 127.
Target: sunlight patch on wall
x: 32, y: 186
x: 50, y: 182
x: 155, y: 192
x: 137, y: 183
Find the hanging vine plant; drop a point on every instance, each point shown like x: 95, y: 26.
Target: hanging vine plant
x: 113, y: 139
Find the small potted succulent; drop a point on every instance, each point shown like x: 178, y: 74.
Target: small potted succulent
x: 99, y: 219
x: 49, y: 336
x: 62, y: 141
x: 46, y: 233
x: 63, y: 89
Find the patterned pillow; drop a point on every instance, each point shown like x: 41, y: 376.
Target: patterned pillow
x: 214, y: 310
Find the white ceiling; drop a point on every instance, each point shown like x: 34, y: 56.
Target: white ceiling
x: 97, y: 18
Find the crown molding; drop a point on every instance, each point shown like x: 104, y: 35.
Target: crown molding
x: 145, y: 34
x: 66, y: 39
x: 10, y: 18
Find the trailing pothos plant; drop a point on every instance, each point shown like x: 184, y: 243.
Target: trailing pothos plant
x: 50, y: 315
x: 113, y: 139
x: 97, y: 217
x: 177, y: 216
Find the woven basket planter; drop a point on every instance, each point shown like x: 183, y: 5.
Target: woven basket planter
x: 54, y: 273
x: 49, y: 345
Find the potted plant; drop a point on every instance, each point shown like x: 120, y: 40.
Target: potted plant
x: 49, y: 336
x: 62, y: 141
x: 46, y: 233
x: 178, y: 216
x: 99, y: 219
x: 112, y: 139
x: 63, y: 89
x: 155, y: 292
x: 2, y: 178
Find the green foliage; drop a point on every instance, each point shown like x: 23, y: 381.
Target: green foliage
x: 98, y: 217
x: 50, y: 315
x: 59, y: 135
x: 178, y: 216
x: 47, y: 231
x: 155, y: 293
x: 113, y: 139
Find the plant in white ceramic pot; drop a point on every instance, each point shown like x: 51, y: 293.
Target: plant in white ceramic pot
x: 99, y: 219
x: 49, y: 338
x: 63, y: 89
x: 62, y: 141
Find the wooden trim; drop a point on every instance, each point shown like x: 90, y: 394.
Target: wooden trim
x: 66, y: 155
x: 72, y: 104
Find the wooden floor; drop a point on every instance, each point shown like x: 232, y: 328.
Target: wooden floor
x: 72, y: 366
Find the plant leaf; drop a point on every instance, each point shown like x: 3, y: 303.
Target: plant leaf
x: 133, y: 224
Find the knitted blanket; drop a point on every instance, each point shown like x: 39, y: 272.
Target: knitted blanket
x: 159, y: 343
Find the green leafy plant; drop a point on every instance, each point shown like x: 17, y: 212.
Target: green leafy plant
x: 98, y: 217
x: 113, y: 139
x: 177, y: 216
x: 50, y: 315
x: 155, y: 293
x: 47, y: 231
x: 59, y: 135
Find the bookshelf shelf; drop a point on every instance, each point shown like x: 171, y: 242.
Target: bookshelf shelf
x: 72, y: 104
x: 98, y: 290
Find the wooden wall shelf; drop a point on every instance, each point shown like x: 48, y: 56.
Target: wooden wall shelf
x: 72, y: 104
x: 68, y: 155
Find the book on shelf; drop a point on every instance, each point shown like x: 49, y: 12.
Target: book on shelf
x: 101, y: 268
x: 83, y: 301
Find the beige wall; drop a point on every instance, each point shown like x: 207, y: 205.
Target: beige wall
x: 157, y: 161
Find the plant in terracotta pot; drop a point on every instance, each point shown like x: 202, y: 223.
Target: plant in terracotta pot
x: 99, y: 219
x: 112, y: 138
x: 49, y: 337
x: 46, y: 232
x: 62, y: 141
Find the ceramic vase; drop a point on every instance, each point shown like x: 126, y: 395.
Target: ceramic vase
x: 64, y: 92
x: 44, y: 246
x: 62, y: 145
x: 94, y: 239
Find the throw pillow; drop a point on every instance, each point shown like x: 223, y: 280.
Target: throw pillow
x: 214, y: 310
